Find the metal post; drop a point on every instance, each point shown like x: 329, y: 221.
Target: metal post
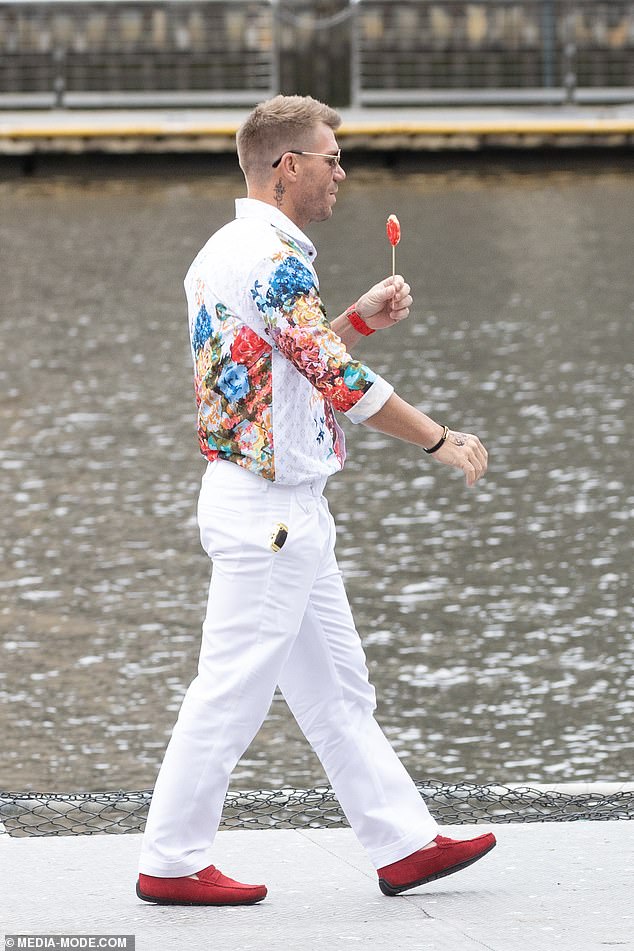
x: 276, y: 52
x: 59, y: 80
x: 570, y: 56
x: 355, y: 55
x: 548, y: 43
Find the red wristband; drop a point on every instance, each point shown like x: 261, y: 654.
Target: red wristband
x: 358, y: 322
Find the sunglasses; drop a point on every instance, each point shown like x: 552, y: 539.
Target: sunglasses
x: 334, y: 160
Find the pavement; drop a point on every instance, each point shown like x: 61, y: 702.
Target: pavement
x: 29, y: 131
x: 546, y: 887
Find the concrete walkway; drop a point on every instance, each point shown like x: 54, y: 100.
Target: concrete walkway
x: 408, y: 128
x: 546, y: 887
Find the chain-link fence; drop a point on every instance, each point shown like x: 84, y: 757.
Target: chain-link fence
x: 28, y: 814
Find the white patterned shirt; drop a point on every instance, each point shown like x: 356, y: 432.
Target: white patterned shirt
x: 268, y: 369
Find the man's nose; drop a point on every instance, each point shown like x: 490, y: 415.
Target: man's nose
x: 339, y: 173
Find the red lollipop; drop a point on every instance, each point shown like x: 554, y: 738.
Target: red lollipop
x: 393, y: 229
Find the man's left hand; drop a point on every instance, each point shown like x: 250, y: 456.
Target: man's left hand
x: 385, y: 304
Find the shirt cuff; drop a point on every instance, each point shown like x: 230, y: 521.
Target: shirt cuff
x: 371, y: 401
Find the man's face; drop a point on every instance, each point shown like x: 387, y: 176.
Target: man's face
x: 318, y: 178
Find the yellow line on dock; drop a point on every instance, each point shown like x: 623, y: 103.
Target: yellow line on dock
x: 115, y: 131
x: 493, y: 127
x: 562, y: 127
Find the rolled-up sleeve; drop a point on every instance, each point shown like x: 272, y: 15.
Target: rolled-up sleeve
x: 285, y: 293
x: 371, y: 402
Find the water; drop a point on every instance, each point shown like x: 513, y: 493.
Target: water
x: 497, y: 620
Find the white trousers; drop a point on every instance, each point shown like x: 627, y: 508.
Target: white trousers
x: 276, y: 618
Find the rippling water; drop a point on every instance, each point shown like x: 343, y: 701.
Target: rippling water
x: 498, y: 621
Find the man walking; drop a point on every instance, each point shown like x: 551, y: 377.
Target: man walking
x: 270, y: 372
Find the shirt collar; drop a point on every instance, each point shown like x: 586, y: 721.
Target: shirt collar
x: 254, y: 208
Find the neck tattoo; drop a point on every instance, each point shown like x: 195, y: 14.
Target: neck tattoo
x: 279, y: 191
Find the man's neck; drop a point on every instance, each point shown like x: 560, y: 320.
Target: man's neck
x: 276, y: 195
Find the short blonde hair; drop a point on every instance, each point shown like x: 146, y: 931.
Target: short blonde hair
x: 276, y: 125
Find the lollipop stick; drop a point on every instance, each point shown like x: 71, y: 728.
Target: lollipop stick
x: 393, y: 229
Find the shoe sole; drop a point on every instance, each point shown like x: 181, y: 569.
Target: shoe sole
x: 182, y: 901
x: 392, y: 890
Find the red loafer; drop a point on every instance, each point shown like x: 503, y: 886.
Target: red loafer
x: 211, y: 888
x: 426, y: 865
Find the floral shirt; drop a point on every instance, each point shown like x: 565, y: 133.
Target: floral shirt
x: 268, y: 369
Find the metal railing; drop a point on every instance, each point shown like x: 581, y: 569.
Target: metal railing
x: 492, y: 51
x: 136, y: 52
x: 230, y: 52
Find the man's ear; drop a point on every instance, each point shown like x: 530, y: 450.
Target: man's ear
x: 289, y: 166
